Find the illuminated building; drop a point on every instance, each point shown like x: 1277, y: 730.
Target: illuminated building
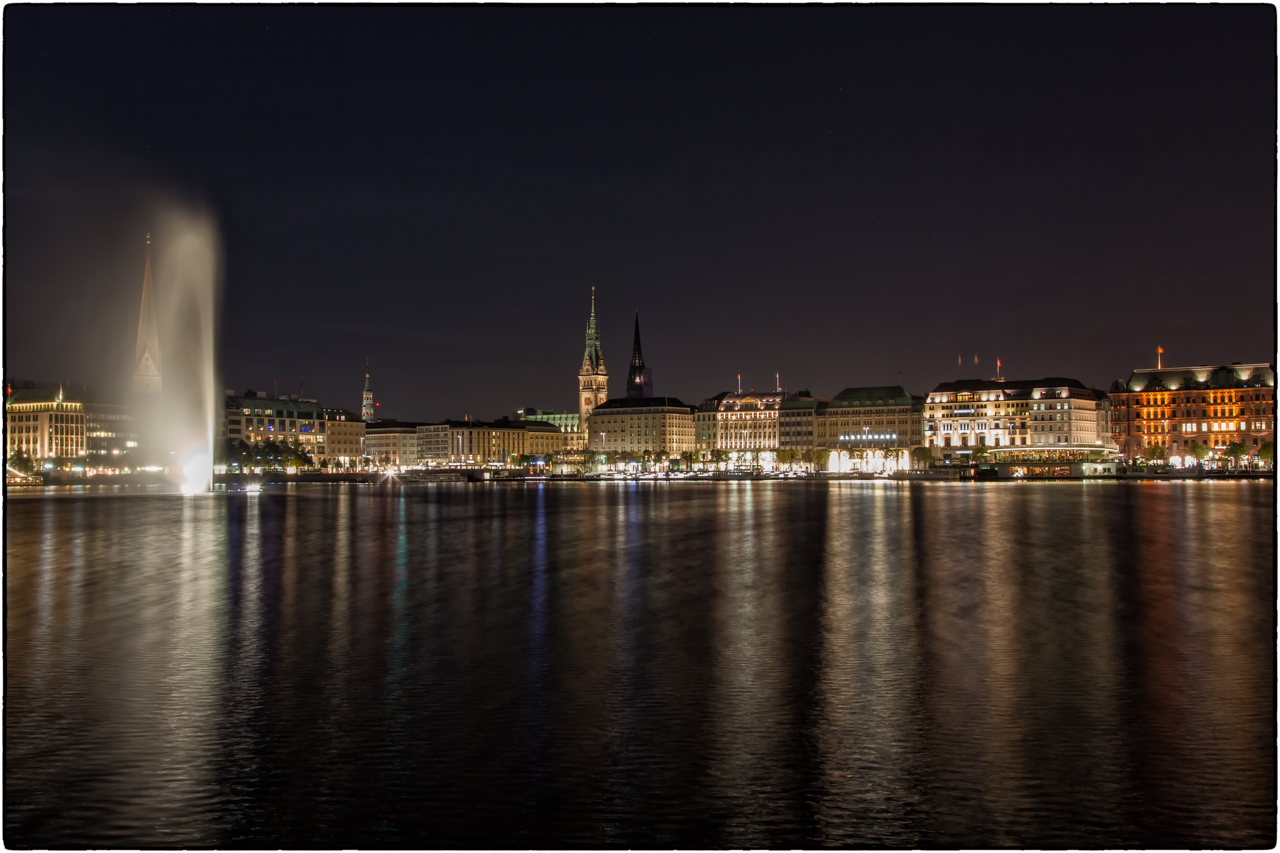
x: 368, y: 409
x: 392, y: 442
x: 640, y: 425
x: 747, y: 420
x: 1209, y: 405
x: 146, y: 361
x: 799, y: 417
x: 568, y: 423
x: 876, y: 418
x: 110, y: 432
x: 593, y: 378
x: 256, y: 417
x: 498, y: 442
x: 343, y: 437
x: 706, y: 425
x: 44, y: 423
x: 1053, y: 417
x: 639, y: 377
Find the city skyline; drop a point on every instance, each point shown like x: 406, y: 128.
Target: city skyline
x: 1061, y: 188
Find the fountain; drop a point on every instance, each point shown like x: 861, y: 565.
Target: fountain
x: 180, y: 418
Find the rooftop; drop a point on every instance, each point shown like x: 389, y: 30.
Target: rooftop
x: 621, y: 403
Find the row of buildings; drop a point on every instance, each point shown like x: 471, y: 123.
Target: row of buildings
x: 865, y: 427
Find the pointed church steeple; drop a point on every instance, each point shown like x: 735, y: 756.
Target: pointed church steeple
x: 639, y: 379
x: 368, y: 412
x: 146, y: 359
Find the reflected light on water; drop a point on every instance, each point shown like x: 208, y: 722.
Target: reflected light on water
x: 746, y: 664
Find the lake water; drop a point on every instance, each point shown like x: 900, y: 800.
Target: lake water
x: 752, y: 664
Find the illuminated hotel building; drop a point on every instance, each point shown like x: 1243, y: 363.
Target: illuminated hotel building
x: 1209, y: 405
x: 1054, y: 416
x: 880, y: 418
x: 747, y: 420
x: 653, y: 424
x: 43, y: 423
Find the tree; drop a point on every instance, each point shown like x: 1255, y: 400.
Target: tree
x: 1155, y: 452
x: 787, y: 456
x: 979, y: 453
x: 1267, y: 451
x: 1234, y: 451
x: 687, y: 458
x: 921, y: 456
x: 1198, y: 451
x: 719, y: 456
x: 21, y: 463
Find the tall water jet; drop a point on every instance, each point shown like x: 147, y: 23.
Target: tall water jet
x: 178, y: 406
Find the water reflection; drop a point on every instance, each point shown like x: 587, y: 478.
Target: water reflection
x: 742, y: 664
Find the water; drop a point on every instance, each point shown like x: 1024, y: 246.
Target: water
x: 748, y: 664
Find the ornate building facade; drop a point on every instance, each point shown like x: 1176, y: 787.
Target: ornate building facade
x: 1212, y: 405
x: 593, y: 378
x: 1054, y: 417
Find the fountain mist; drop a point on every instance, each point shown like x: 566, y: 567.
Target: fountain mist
x: 188, y: 275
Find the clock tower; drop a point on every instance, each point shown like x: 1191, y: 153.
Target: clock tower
x: 593, y: 378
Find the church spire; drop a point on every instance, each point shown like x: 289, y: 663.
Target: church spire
x: 592, y: 359
x: 146, y: 359
x: 639, y: 379
x: 368, y: 412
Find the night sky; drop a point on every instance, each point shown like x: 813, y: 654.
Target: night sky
x: 847, y: 196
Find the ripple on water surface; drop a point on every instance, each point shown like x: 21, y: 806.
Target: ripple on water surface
x: 754, y: 664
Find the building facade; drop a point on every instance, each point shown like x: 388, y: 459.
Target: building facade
x: 748, y: 421
x: 254, y: 417
x: 651, y: 424
x: 884, y: 417
x: 593, y: 378
x: 392, y: 443
x: 706, y: 423
x: 798, y: 418
x: 1053, y: 415
x: 500, y: 442
x: 568, y: 423
x: 110, y: 433
x: 44, y: 423
x: 1211, y: 405
x: 343, y: 437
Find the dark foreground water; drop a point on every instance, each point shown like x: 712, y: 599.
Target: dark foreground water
x: 763, y: 664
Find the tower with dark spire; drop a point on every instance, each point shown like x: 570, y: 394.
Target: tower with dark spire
x: 146, y: 358
x: 639, y: 377
x: 593, y: 378
x: 367, y: 411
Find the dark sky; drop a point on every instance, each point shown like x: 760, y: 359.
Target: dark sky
x: 850, y: 196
